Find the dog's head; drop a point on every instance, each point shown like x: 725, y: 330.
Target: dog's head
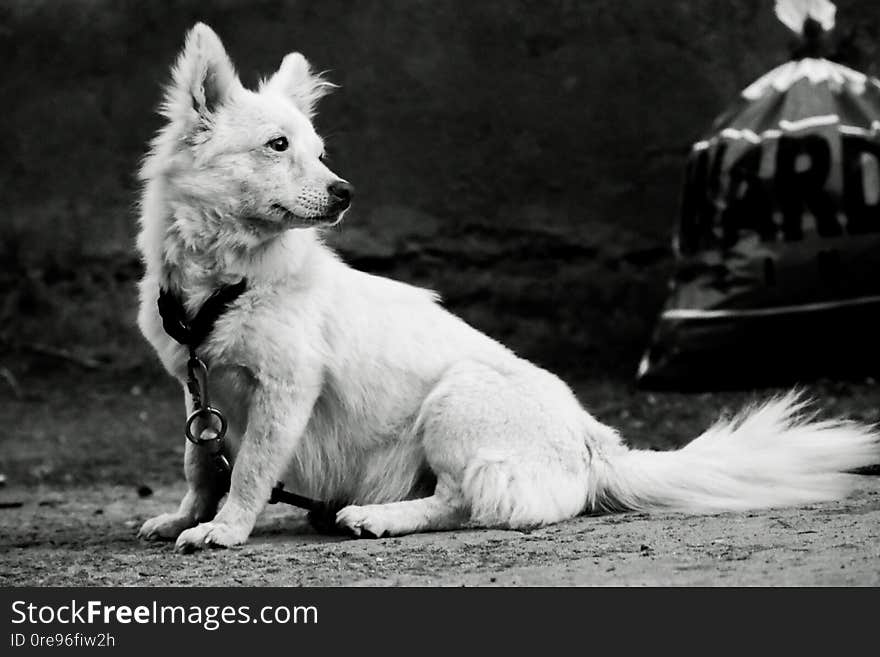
x: 250, y: 160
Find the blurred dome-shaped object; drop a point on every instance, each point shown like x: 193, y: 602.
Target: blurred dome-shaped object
x: 778, y: 247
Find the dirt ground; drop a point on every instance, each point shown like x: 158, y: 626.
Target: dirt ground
x: 87, y: 536
x: 90, y: 456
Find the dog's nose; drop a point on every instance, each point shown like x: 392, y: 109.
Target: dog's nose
x: 341, y: 193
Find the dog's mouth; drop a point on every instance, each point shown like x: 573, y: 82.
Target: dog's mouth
x: 294, y: 219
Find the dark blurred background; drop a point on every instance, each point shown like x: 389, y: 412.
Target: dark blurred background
x: 521, y: 157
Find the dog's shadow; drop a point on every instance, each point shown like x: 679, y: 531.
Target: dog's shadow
x: 296, y: 524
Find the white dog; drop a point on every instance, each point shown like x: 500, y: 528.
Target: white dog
x: 351, y: 386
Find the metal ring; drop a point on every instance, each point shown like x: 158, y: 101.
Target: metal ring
x: 203, y: 413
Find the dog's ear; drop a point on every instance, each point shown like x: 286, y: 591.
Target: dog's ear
x: 202, y: 77
x: 295, y: 80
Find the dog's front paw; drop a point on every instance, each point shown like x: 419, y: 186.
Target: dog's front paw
x: 210, y: 534
x: 165, y: 527
x: 362, y: 521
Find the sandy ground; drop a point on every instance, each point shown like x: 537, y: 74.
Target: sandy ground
x: 87, y: 536
x: 89, y: 456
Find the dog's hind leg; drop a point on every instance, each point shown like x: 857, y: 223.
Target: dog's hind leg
x: 205, y: 487
x: 442, y: 510
x: 508, y: 449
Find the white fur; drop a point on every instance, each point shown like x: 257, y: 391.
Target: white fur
x: 772, y: 455
x: 354, y: 386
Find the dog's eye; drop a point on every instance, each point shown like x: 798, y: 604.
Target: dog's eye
x: 323, y: 157
x: 278, y: 144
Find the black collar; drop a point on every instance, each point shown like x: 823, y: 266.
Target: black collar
x: 193, y: 332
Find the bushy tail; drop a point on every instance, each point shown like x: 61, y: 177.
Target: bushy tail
x: 774, y: 455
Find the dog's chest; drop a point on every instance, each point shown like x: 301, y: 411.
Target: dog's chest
x: 231, y: 390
